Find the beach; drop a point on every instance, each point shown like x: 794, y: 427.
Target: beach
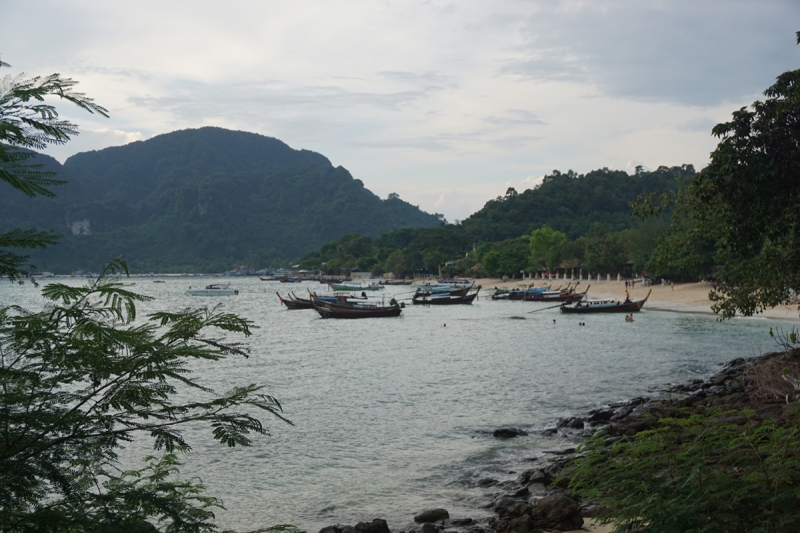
x: 683, y: 298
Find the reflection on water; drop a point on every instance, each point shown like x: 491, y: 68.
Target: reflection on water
x: 395, y: 415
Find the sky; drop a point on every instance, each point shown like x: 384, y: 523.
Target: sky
x: 445, y: 103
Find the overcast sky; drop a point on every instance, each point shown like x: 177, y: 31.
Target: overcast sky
x: 446, y: 103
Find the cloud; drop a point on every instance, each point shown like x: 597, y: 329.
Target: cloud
x: 683, y: 51
x: 429, y: 80
x: 515, y: 117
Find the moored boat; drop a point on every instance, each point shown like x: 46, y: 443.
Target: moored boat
x: 366, y: 285
x: 605, y: 306
x: 328, y: 310
x: 445, y: 298
x: 215, y: 289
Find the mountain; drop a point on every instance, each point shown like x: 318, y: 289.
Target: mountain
x: 201, y: 199
x: 570, y: 203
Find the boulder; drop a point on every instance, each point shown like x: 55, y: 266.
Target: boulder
x: 487, y: 482
x: 427, y: 527
x: 557, y: 512
x: 537, y: 475
x: 461, y: 522
x: 508, y: 433
x: 572, y: 422
x: 523, y: 524
x: 376, y: 526
x: 502, y: 505
x: 431, y: 515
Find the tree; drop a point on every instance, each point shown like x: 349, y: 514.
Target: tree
x: 26, y: 124
x: 81, y: 378
x: 547, y: 247
x: 748, y: 198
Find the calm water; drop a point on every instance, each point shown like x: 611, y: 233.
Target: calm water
x: 395, y: 415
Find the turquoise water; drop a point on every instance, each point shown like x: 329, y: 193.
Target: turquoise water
x: 395, y: 415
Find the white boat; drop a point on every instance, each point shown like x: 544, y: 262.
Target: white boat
x: 215, y: 289
x: 366, y: 285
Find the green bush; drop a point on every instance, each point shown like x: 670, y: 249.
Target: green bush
x: 698, y: 473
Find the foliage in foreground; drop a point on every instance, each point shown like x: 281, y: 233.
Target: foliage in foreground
x: 28, y: 123
x: 698, y: 473
x: 83, y: 377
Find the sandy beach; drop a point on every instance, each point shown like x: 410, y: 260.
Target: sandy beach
x: 683, y: 298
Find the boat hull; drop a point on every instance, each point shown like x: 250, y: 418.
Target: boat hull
x: 353, y: 312
x: 625, y: 307
x: 447, y: 300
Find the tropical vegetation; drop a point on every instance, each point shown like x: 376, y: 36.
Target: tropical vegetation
x: 85, y: 376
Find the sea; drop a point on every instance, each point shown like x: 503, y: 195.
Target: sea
x: 395, y: 415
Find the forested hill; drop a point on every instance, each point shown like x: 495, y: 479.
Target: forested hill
x: 201, y: 200
x: 592, y: 210
x: 570, y: 203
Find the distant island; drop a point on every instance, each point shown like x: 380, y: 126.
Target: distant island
x: 201, y: 200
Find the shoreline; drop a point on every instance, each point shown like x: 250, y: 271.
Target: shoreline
x: 691, y: 298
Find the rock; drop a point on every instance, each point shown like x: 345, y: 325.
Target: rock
x: 460, y: 522
x: 348, y: 529
x: 734, y: 419
x: 502, y: 505
x: 621, y: 413
x: 376, y: 526
x: 522, y: 524
x: 557, y: 512
x: 431, y: 515
x: 427, y: 527
x: 600, y: 415
x: 548, y: 432
x: 331, y: 529
x: 508, y: 433
x: 537, y: 475
x: 572, y: 422
x: 487, y: 482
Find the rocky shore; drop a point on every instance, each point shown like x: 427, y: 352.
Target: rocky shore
x: 767, y: 385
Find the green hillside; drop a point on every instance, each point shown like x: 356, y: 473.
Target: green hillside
x: 202, y: 199
x: 593, y: 211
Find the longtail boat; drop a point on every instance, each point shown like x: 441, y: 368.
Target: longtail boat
x: 445, y: 298
x: 293, y: 302
x: 327, y: 310
x: 565, y: 295
x: 605, y: 306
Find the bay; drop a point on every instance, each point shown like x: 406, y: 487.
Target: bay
x: 395, y: 415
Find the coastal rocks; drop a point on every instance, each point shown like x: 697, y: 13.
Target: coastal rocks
x: 557, y: 512
x: 572, y: 423
x: 536, y: 475
x: 431, y: 515
x: 427, y: 527
x: 378, y: 525
x: 508, y: 433
x: 509, y: 505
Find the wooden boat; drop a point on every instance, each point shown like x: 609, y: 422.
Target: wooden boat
x: 355, y: 311
x: 605, y: 306
x: 456, y: 282
x: 517, y: 294
x: 566, y: 295
x: 438, y: 290
x: 293, y: 302
x: 445, y: 298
